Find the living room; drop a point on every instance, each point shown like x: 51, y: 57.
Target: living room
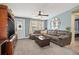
x: 39, y: 29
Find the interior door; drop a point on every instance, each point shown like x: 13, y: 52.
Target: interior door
x: 20, y: 28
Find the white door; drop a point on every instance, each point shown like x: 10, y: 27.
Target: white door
x: 20, y: 28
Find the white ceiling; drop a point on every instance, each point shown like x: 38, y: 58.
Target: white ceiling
x: 31, y: 9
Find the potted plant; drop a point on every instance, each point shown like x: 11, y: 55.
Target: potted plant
x: 67, y: 28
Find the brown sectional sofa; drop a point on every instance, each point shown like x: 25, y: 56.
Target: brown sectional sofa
x: 59, y: 37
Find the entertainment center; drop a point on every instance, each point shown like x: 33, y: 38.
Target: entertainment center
x: 8, y: 37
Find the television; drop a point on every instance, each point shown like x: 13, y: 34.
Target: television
x: 11, y: 28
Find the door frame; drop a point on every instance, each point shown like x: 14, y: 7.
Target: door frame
x: 74, y: 14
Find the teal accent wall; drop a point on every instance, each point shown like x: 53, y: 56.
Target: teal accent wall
x: 65, y: 18
x: 48, y: 24
x: 27, y: 24
x: 45, y: 24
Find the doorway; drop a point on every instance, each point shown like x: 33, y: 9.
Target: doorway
x: 77, y: 28
x: 75, y: 31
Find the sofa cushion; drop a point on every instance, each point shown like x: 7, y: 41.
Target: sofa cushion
x: 60, y: 37
x: 52, y: 32
x: 63, y: 36
x: 54, y: 38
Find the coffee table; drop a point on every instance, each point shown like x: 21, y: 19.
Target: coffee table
x: 43, y: 41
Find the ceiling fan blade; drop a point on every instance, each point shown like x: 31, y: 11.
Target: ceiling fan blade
x: 44, y: 15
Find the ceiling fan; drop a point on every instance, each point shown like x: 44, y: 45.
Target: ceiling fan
x: 40, y: 14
